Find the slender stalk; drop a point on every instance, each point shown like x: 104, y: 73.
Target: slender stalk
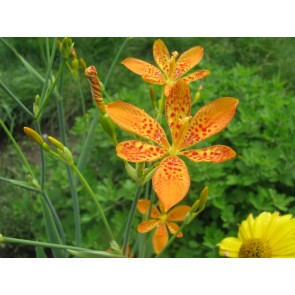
x: 90, y: 136
x: 142, y: 237
x: 52, y: 87
x: 130, y: 218
x: 73, y: 190
x: 161, y: 106
x: 22, y: 184
x: 55, y: 217
x: 49, y: 68
x: 3, y: 86
x: 56, y: 246
x: 90, y: 191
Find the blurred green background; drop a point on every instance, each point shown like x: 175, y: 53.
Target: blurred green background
x: 258, y: 71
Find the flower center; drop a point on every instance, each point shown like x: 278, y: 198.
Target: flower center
x: 163, y: 218
x: 172, y: 63
x: 255, y: 248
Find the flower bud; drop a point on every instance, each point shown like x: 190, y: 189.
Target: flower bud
x: 1, y: 238
x: 36, y: 105
x: 108, y: 126
x: 131, y: 171
x: 203, y: 198
x: 55, y: 142
x: 66, y: 47
x: 82, y: 64
x: 94, y: 82
x: 34, y: 135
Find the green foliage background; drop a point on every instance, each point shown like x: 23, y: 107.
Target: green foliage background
x: 257, y: 71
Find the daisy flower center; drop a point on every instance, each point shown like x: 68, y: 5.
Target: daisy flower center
x: 255, y: 248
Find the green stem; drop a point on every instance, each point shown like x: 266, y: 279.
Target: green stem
x: 52, y: 87
x: 90, y: 191
x: 19, y: 151
x: 50, y: 59
x: 52, y: 245
x: 161, y: 106
x: 73, y: 190
x: 130, y: 218
x: 3, y: 86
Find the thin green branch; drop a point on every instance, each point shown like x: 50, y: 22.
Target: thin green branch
x: 56, y: 246
x: 130, y: 218
x: 90, y: 191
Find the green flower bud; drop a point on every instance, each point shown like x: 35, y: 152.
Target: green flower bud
x: 36, y: 105
x: 108, y: 126
x: 1, y: 238
x: 56, y: 142
x: 34, y: 135
x: 66, y: 47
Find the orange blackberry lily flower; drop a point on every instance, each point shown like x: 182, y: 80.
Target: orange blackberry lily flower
x: 171, y: 179
x: 171, y: 68
x: 161, y: 221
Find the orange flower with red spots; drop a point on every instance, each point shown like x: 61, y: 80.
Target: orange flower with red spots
x: 161, y: 221
x: 171, y: 68
x: 171, y: 179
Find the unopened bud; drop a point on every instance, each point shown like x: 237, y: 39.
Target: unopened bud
x: 82, y: 64
x: 36, y: 105
x: 92, y: 77
x: 108, y: 126
x: 34, y: 135
x: 75, y: 66
x: 66, y: 47
x: 203, y: 197
x: 1, y: 238
x: 198, y: 94
x: 131, y: 171
x: 55, y: 142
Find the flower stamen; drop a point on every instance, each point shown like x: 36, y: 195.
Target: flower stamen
x: 255, y: 248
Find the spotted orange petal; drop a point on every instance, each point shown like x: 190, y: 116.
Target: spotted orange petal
x: 161, y: 56
x: 160, y: 237
x: 173, y: 228
x: 188, y: 60
x: 209, y: 120
x: 171, y: 181
x: 137, y: 121
x: 148, y: 72
x: 215, y: 154
x: 196, y: 76
x: 177, y: 108
x: 147, y: 225
x: 143, y: 206
x: 138, y: 151
x: 178, y: 213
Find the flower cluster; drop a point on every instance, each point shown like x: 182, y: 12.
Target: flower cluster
x: 171, y: 180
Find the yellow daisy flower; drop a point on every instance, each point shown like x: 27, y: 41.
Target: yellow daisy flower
x: 266, y: 236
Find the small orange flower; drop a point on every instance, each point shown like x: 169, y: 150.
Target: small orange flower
x: 171, y: 68
x: 171, y: 180
x: 161, y: 220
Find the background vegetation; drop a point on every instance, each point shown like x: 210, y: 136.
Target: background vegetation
x: 258, y: 71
